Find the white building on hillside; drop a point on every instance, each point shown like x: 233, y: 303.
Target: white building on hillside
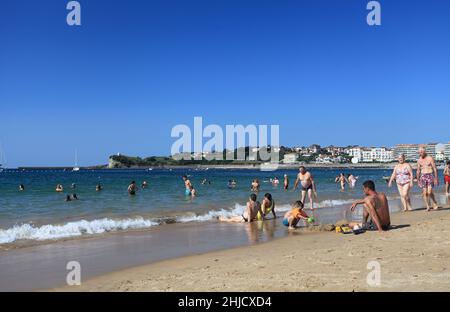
x: 290, y: 158
x: 377, y: 154
x: 447, y: 151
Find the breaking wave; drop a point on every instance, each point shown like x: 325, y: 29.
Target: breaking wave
x: 99, y: 226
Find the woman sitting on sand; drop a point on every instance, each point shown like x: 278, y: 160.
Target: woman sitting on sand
x: 267, y: 207
x: 250, y: 213
x: 403, y: 176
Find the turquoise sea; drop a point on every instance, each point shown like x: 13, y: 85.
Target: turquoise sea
x: 39, y: 213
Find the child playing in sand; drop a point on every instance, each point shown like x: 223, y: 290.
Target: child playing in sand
x: 292, y: 217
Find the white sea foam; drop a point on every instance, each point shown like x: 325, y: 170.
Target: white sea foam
x: 99, y: 226
x: 71, y: 229
x: 239, y: 210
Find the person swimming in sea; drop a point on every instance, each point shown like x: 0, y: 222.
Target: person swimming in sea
x: 255, y: 187
x: 286, y: 182
x: 342, y: 180
x: 68, y: 198
x: 267, y: 207
x: 188, y: 186
x: 193, y: 191
x: 144, y: 184
x: 59, y: 188
x: 205, y: 181
x: 21, y: 187
x: 231, y: 184
x: 98, y: 187
x: 73, y: 186
x: 132, y: 188
x: 275, y: 181
x: 351, y: 180
x: 74, y: 196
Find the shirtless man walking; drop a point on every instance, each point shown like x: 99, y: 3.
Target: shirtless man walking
x: 427, y: 176
x: 308, y: 185
x: 376, y: 207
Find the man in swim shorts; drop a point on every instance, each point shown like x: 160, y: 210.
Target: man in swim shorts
x: 250, y: 213
x: 308, y: 186
x: 427, y: 177
x: 376, y: 209
x: 292, y: 217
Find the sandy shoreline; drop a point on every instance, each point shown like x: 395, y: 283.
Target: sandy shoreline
x: 414, y: 256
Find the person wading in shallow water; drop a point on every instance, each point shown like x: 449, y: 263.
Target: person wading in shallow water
x: 308, y: 186
x: 132, y: 188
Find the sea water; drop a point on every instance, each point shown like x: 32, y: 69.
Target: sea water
x: 39, y: 213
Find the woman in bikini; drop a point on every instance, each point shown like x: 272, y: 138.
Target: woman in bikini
x: 267, y: 207
x: 403, y: 176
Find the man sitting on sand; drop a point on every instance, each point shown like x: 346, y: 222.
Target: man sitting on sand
x: 292, y: 217
x: 250, y: 213
x: 376, y: 209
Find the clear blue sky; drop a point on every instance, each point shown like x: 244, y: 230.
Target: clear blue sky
x: 134, y: 69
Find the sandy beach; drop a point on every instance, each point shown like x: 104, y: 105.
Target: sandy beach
x: 413, y: 256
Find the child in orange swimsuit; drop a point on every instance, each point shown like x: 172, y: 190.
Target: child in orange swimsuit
x: 292, y: 217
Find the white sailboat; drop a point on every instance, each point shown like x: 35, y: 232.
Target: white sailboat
x: 76, y: 168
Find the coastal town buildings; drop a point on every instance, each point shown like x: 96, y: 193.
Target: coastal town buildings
x: 370, y: 154
x: 290, y: 158
x: 411, y: 151
x: 447, y: 151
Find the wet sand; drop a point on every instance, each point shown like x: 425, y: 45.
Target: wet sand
x: 44, y: 265
x: 414, y: 256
